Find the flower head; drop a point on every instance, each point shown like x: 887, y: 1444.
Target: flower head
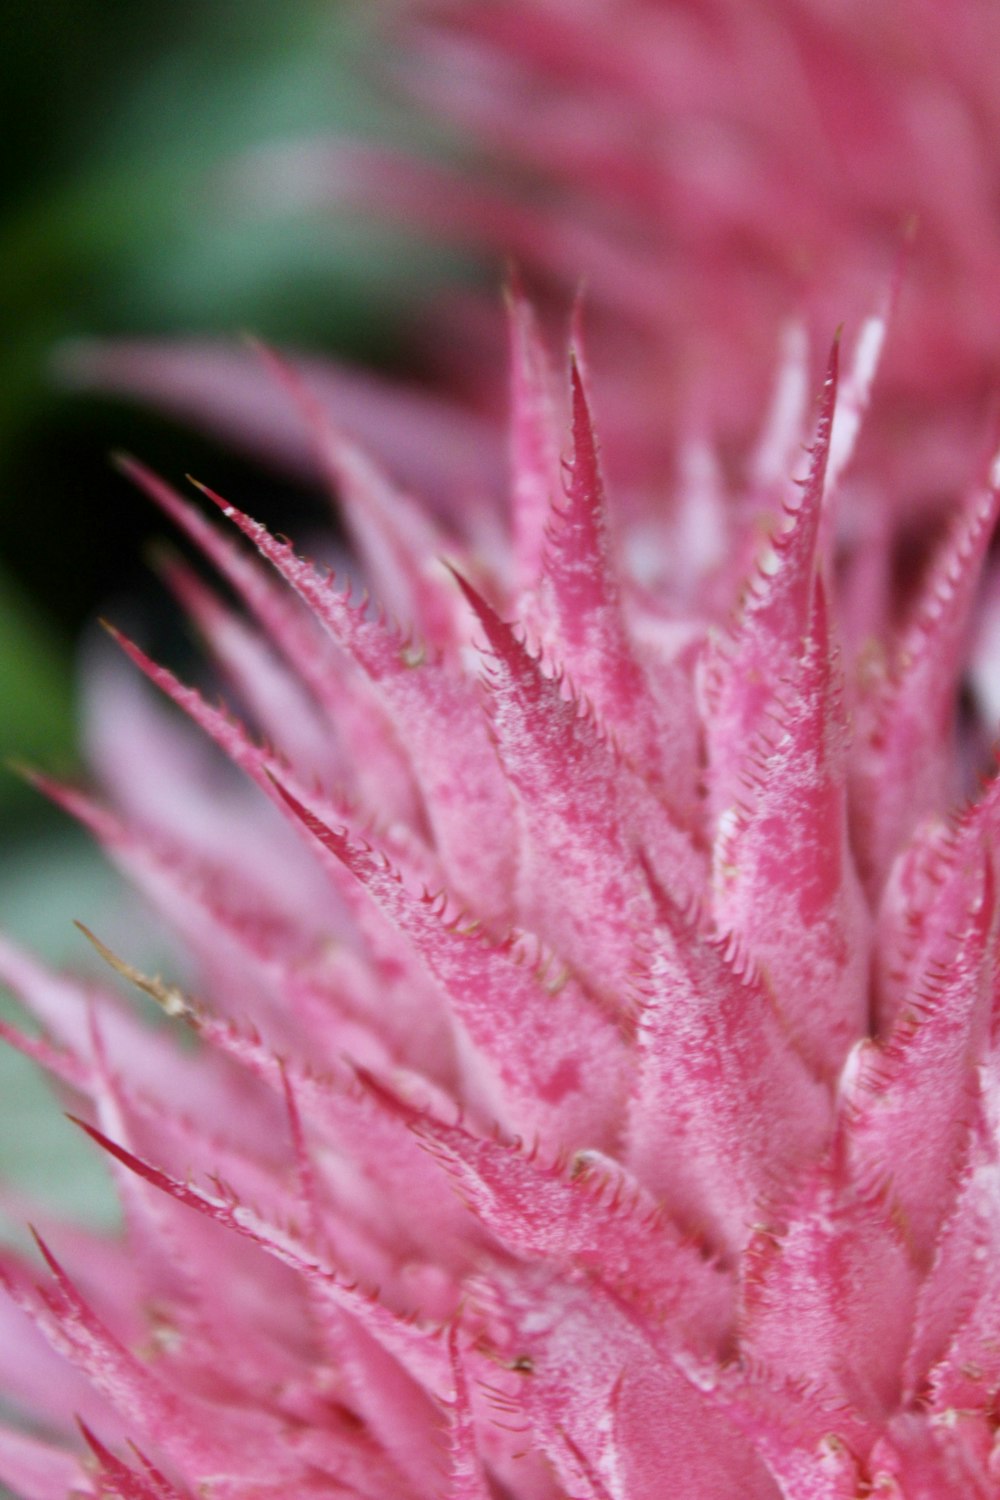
x: 593, y: 970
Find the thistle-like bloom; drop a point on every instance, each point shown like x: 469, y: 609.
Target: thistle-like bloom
x: 593, y: 972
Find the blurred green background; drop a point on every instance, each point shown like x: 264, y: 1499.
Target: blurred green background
x: 122, y: 121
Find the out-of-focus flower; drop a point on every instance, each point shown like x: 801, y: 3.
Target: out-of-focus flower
x: 706, y: 173
x: 596, y: 1089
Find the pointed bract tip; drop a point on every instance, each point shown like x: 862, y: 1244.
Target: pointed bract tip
x: 23, y: 770
x: 47, y: 1254
x: 576, y: 376
x: 337, y: 840
x: 470, y: 592
x: 95, y: 1135
x: 100, y: 1450
x: 125, y: 463
x: 112, y: 630
x: 119, y: 1153
x: 172, y: 1001
x: 230, y: 511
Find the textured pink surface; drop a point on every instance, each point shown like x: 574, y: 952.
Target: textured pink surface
x: 593, y: 941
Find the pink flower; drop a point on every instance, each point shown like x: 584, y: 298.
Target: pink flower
x: 706, y: 173
x: 594, y: 973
